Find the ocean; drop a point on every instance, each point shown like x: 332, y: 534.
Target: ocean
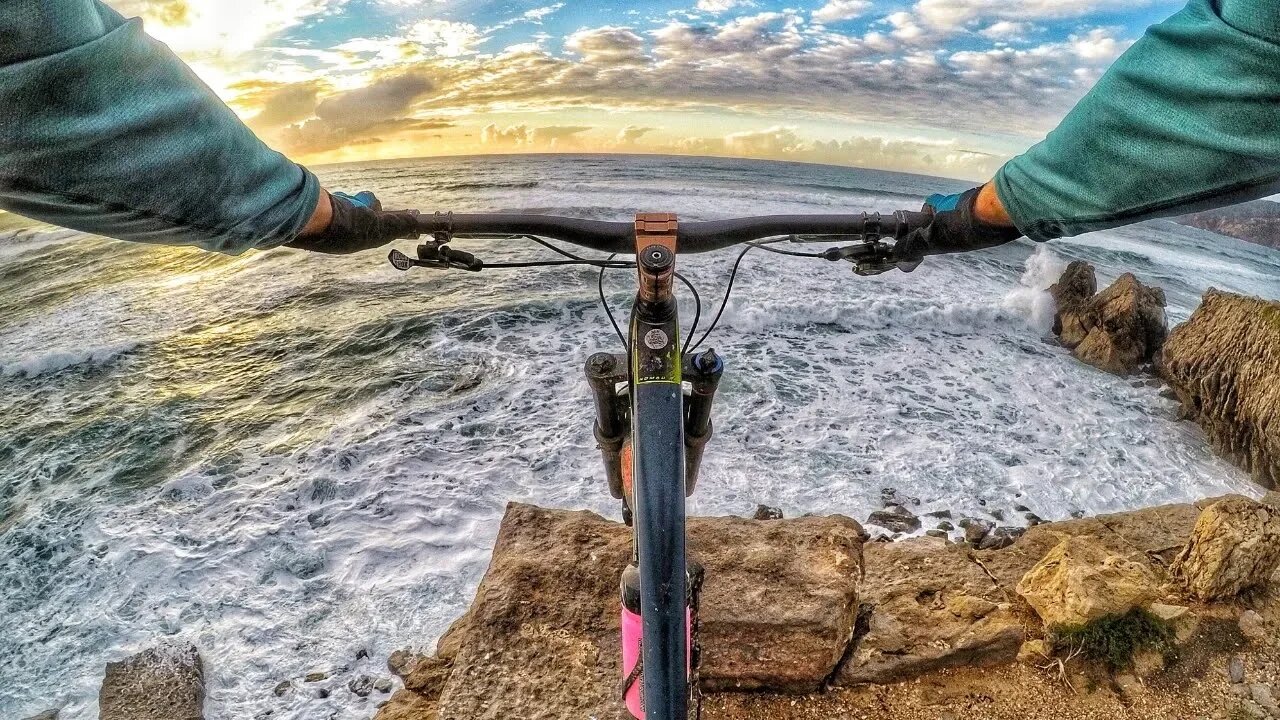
x: 287, y: 458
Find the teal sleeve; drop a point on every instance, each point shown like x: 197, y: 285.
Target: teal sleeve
x: 1187, y: 119
x: 103, y: 129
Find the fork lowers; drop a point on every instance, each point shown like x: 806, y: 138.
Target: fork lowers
x: 703, y: 372
x: 605, y: 371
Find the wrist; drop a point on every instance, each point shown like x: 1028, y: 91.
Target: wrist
x: 988, y: 208
x: 321, y: 217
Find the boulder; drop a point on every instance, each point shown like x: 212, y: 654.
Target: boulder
x: 1081, y: 580
x: 928, y: 607
x: 162, y: 683
x: 777, y: 609
x: 1071, y: 295
x: 1234, y: 547
x: 895, y: 518
x: 1223, y: 365
x: 408, y: 705
x: 1126, y: 326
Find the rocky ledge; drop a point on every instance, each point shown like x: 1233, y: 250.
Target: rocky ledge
x: 1224, y: 367
x: 803, y: 618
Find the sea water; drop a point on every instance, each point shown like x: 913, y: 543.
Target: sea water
x: 288, y: 458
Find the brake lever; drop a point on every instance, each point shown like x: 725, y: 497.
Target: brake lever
x: 436, y: 255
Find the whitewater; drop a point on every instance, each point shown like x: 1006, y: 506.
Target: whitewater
x: 287, y: 459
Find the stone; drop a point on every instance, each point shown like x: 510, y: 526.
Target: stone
x: 1223, y: 366
x: 1235, y: 669
x: 283, y: 688
x: 1125, y: 325
x: 975, y: 530
x: 46, y: 715
x: 162, y: 683
x: 936, y: 533
x: 946, y: 526
x: 361, y: 686
x: 764, y: 512
x: 944, y: 514
x: 930, y: 607
x: 408, y: 705
x: 1255, y: 629
x: 1000, y: 538
x: 540, y: 640
x: 1261, y: 694
x: 1234, y: 547
x: 895, y: 519
x: 1071, y: 295
x: 1080, y: 580
x: 427, y: 676
x: 323, y: 692
x: 383, y: 685
x: 1035, y: 652
x: 315, y: 677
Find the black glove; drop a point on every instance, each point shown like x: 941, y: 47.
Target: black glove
x: 955, y: 228
x: 359, y: 223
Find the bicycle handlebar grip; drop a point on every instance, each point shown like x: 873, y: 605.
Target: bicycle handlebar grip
x: 355, y: 228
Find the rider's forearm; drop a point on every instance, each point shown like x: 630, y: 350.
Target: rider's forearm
x: 1185, y: 120
x: 103, y: 129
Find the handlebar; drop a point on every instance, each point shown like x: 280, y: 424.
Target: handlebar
x: 692, y: 237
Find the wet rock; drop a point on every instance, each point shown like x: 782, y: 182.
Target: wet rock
x: 764, y: 512
x: 315, y: 677
x: 383, y: 685
x: 361, y: 654
x: 931, y: 608
x: 361, y: 686
x: 1223, y: 365
x: 323, y: 693
x: 997, y: 513
x: 1080, y: 580
x: 1235, y: 546
x: 283, y: 688
x: 946, y: 526
x: 975, y: 530
x: 1033, y: 519
x: 163, y: 683
x: 1000, y: 538
x: 540, y: 640
x: 46, y: 715
x: 891, y: 496
x: 944, y: 514
x: 1125, y: 325
x: 895, y: 518
x: 938, y: 533
x: 1071, y: 295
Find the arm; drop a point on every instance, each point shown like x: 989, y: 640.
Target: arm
x: 1185, y: 120
x: 104, y: 130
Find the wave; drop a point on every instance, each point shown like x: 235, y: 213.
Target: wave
x: 49, y: 363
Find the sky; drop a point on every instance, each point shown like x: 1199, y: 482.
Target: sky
x: 941, y: 87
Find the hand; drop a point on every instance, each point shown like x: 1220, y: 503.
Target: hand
x: 356, y: 222
x: 972, y: 220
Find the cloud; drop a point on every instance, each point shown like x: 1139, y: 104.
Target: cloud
x: 955, y: 14
x: 719, y: 6
x: 281, y: 104
x: 837, y: 10
x: 382, y: 100
x: 218, y: 27
x: 1006, y: 30
x: 446, y: 37
x: 607, y: 46
x: 632, y: 133
x: 522, y: 135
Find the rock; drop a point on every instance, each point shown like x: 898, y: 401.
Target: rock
x: 1223, y: 364
x: 895, y: 519
x: 1080, y: 580
x: 383, y: 685
x: 283, y: 688
x: 1255, y: 629
x: 323, y: 692
x: 931, y: 607
x: 1235, y: 669
x: 1000, y: 538
x: 1235, y: 546
x: 361, y: 654
x: 1035, y: 652
x: 1071, y: 295
x: 46, y: 715
x: 361, y: 686
x: 943, y: 514
x: 1033, y: 519
x: 946, y: 526
x: 975, y: 530
x: 937, y: 533
x: 315, y: 677
x: 401, y: 662
x: 540, y: 640
x: 764, y: 512
x: 1147, y: 663
x: 891, y: 496
x: 1261, y: 694
x: 407, y: 705
x: 1126, y: 326
x: 163, y: 683
x: 428, y: 676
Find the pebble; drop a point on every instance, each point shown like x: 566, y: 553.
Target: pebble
x: 316, y: 677
x: 1235, y: 670
x: 322, y: 693
x: 283, y: 688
